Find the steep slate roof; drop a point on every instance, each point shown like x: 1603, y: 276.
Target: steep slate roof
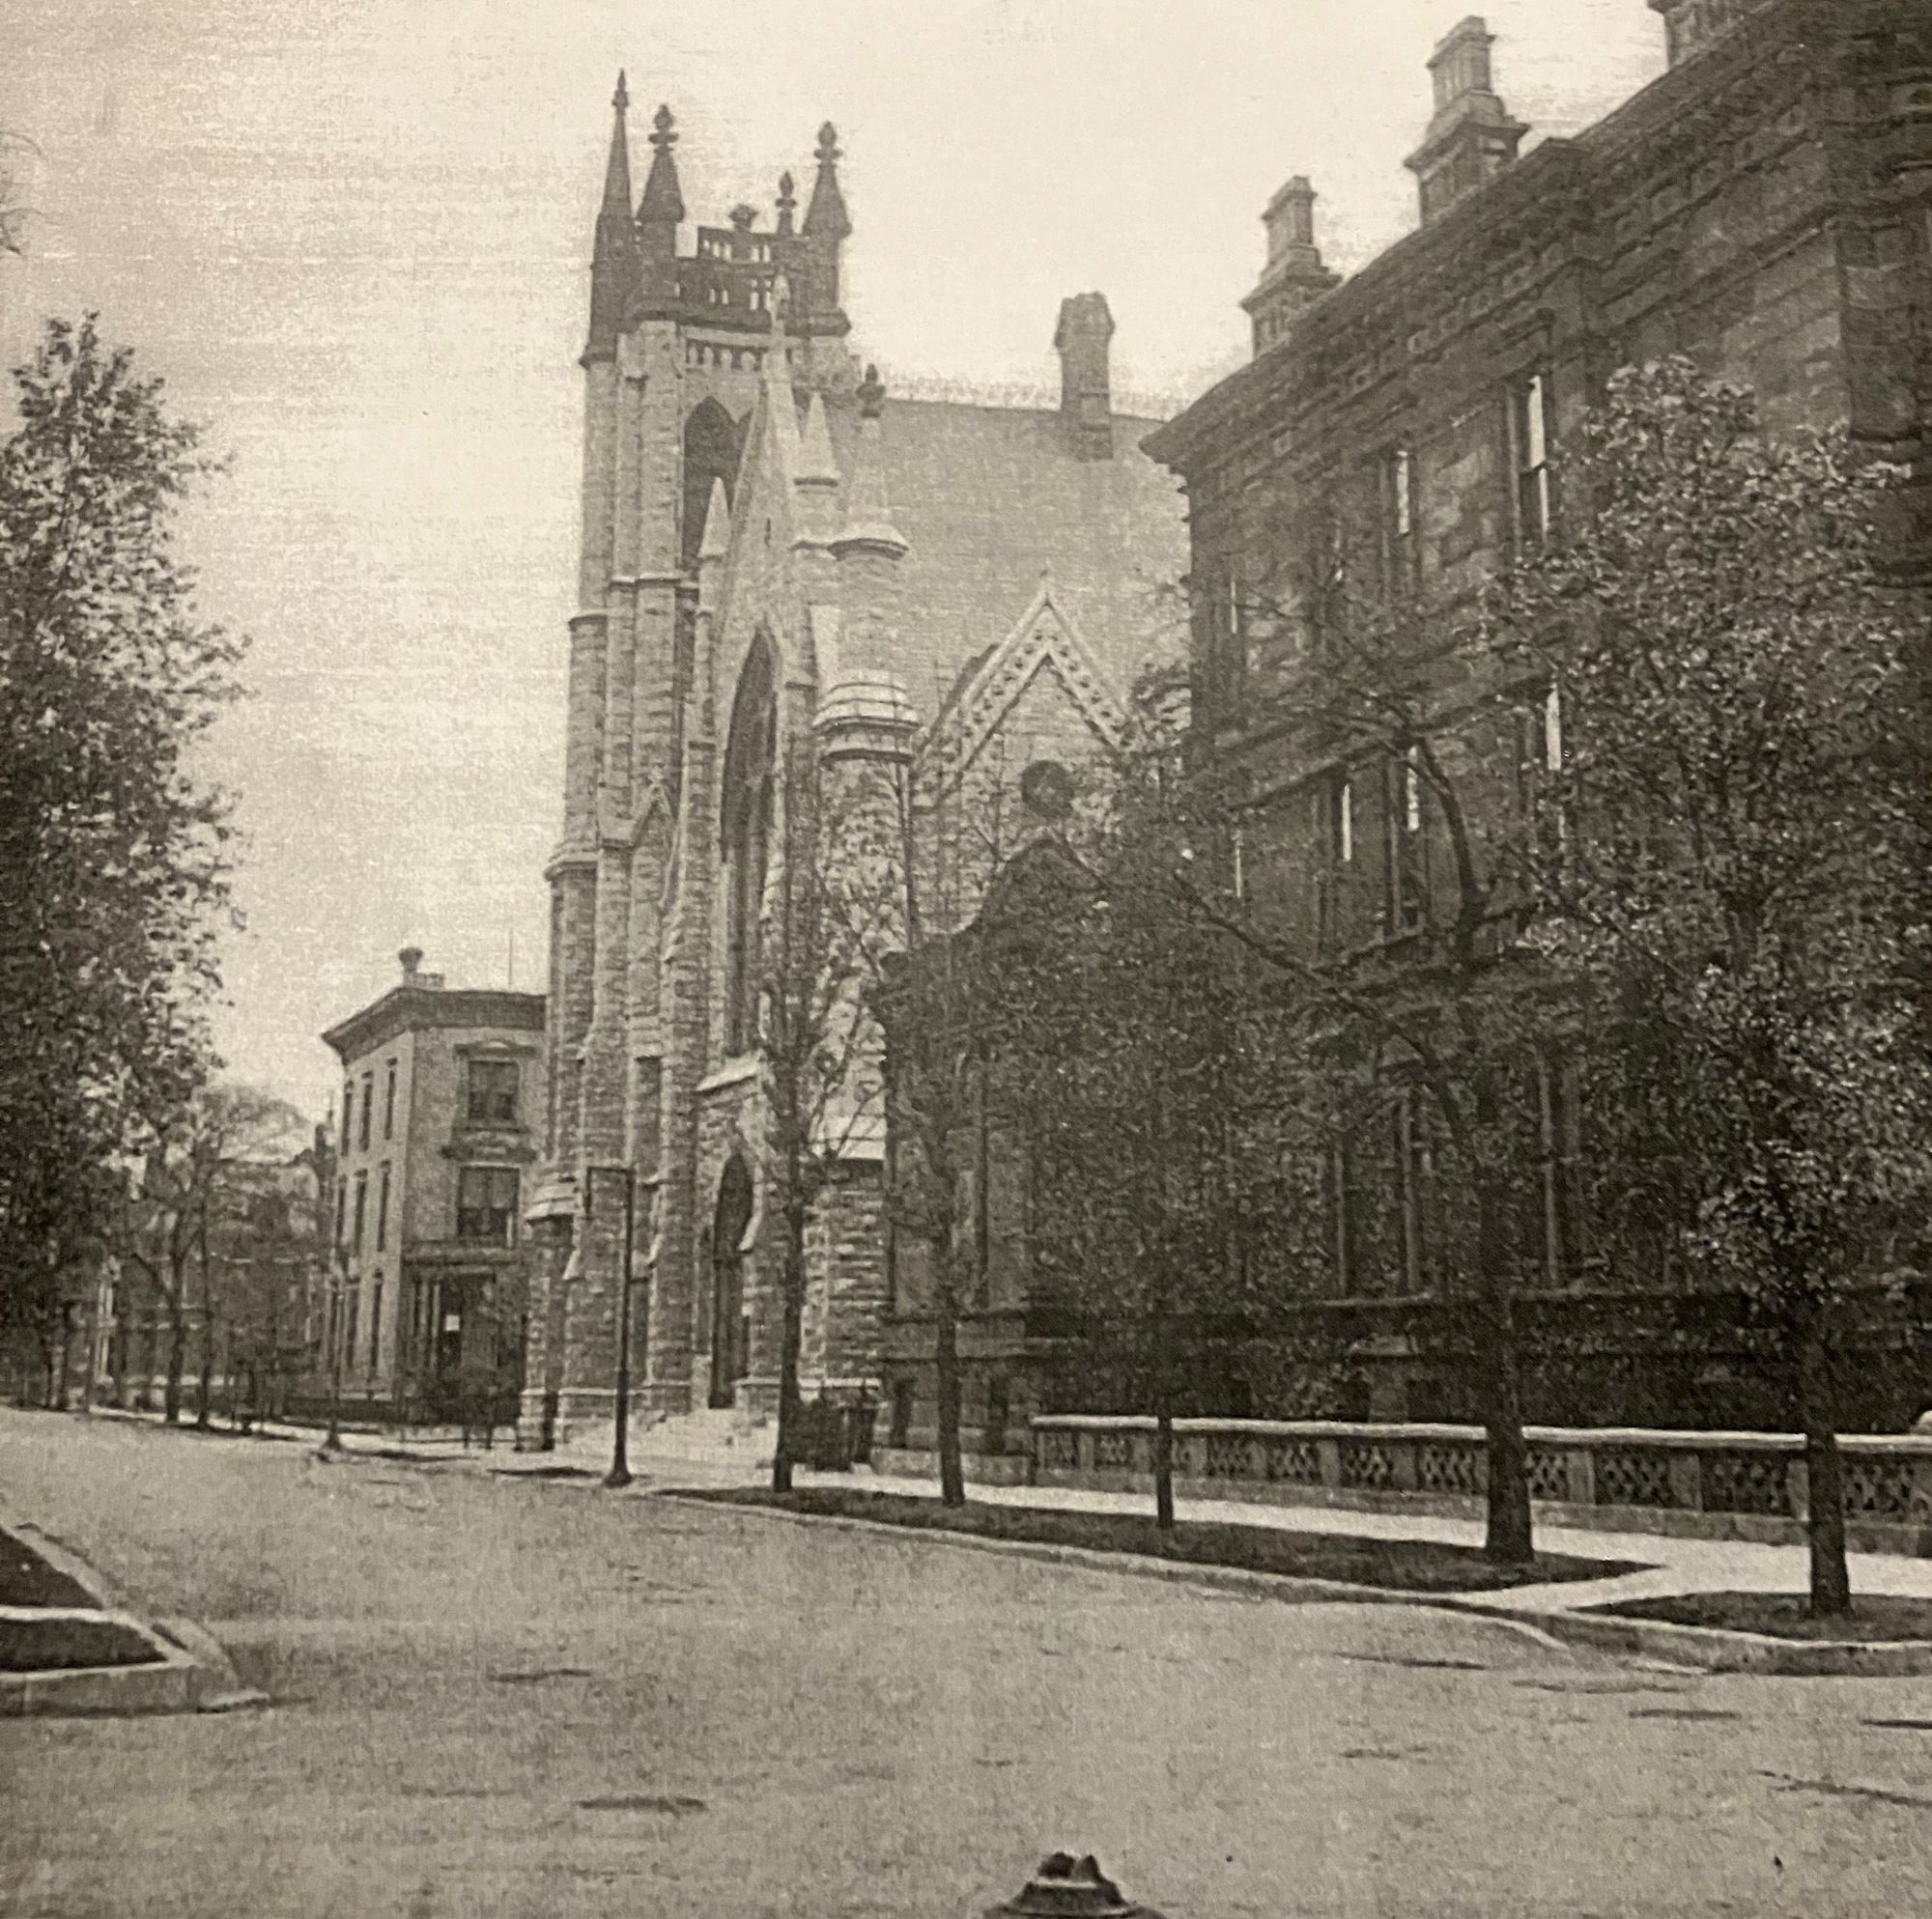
x: 989, y: 498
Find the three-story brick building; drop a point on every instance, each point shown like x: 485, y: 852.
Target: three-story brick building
x: 438, y: 1132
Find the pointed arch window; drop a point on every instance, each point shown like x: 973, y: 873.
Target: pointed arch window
x: 713, y: 443
x: 745, y: 832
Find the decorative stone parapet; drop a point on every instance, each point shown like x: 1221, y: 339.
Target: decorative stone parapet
x: 1747, y: 1485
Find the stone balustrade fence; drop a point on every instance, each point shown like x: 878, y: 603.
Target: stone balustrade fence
x: 1750, y: 1485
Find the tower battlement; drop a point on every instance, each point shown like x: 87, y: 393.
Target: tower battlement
x: 728, y: 280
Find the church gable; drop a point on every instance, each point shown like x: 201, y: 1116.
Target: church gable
x: 1041, y: 695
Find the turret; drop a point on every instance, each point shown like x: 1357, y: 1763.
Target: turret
x: 815, y: 482
x: 826, y: 229
x: 613, y: 261
x: 1295, y: 277
x: 661, y: 208
x: 1472, y: 137
x: 863, y: 711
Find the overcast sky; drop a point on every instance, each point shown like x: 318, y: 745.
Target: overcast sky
x: 354, y: 236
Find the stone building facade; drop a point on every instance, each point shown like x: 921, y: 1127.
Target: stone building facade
x: 438, y: 1136
x: 1764, y: 207
x: 776, y: 552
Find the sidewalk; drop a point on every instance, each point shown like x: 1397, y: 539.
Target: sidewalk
x: 664, y: 1458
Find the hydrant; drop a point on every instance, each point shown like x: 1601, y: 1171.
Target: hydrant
x: 1068, y: 1888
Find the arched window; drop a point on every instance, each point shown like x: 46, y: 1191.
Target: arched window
x: 712, y: 444
x: 746, y: 839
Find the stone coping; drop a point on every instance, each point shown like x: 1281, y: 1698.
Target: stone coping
x: 1655, y: 1438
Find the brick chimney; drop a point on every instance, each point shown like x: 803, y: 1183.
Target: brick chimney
x: 411, y: 959
x: 1086, y: 402
x: 1691, y: 25
x: 1472, y: 137
x: 1294, y: 276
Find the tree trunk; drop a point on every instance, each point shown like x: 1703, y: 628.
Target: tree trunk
x: 1509, y: 1536
x: 171, y: 1394
x: 791, y: 1333
x: 1823, y: 1469
x: 204, y: 1412
x: 946, y: 1364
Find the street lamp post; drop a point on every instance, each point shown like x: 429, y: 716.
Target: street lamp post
x: 332, y: 1439
x: 619, y: 1474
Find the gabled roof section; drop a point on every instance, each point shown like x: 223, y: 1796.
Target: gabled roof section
x: 1045, y: 638
x: 989, y: 500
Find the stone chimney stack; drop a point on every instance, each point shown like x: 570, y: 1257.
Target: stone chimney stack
x: 1295, y: 277
x: 1086, y: 396
x: 1691, y: 25
x: 1472, y: 136
x: 411, y: 958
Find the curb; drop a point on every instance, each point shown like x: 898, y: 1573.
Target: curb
x: 191, y: 1672
x: 1705, y: 1648
x: 1715, y: 1650
x: 1287, y: 1587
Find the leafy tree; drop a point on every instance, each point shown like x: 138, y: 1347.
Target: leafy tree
x: 192, y: 1175
x: 938, y: 995
x: 1127, y: 1018
x: 113, y: 854
x: 1740, y: 881
x: 1381, y: 900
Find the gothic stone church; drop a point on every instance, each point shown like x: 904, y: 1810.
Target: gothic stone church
x: 775, y: 549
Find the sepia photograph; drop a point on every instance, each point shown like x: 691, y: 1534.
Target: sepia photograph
x: 965, y: 959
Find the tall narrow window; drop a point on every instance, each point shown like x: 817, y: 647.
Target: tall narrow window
x: 348, y: 1116
x: 1339, y: 1174
x: 1529, y: 447
x: 341, y: 1209
x: 1560, y: 1125
x: 349, y: 1326
x: 1415, y: 1163
x: 747, y: 803
x: 368, y: 1101
x: 1333, y: 801
x: 382, y: 1209
x: 1409, y: 846
x: 389, y: 1103
x: 1399, y: 543
x: 361, y: 1207
x: 374, y: 1322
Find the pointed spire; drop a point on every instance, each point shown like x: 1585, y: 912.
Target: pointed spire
x: 663, y: 206
x: 613, y: 261
x: 868, y: 514
x: 815, y: 461
x: 777, y: 378
x: 787, y: 201
x: 716, y: 544
x: 826, y: 218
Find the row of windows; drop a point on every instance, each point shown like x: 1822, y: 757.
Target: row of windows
x: 350, y: 1136
x: 1384, y: 1209
x: 489, y: 1098
x: 1397, y: 794
x: 486, y: 1206
x: 1246, y: 610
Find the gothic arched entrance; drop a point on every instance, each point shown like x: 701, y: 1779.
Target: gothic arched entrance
x: 730, y: 1323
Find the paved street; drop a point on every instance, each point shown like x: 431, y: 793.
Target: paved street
x: 501, y: 1696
